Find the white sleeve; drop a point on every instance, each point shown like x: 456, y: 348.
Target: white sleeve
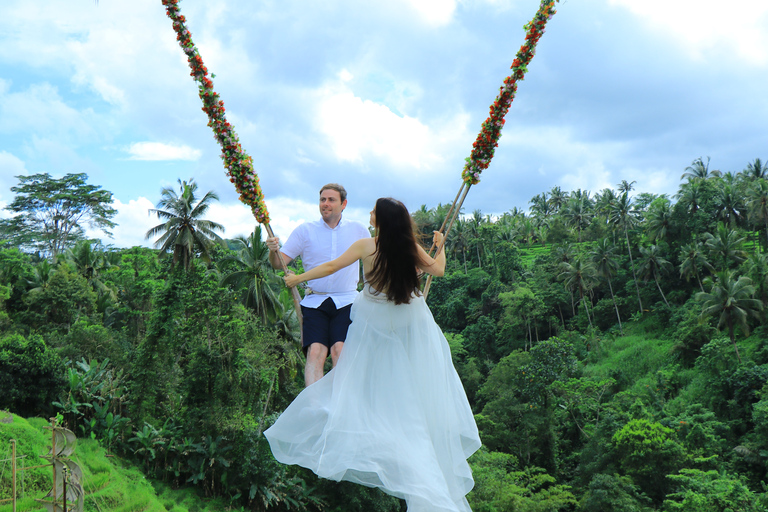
x: 294, y: 246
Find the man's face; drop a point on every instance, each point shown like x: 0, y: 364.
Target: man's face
x: 331, y: 205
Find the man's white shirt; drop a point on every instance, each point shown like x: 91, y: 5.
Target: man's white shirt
x: 317, y: 243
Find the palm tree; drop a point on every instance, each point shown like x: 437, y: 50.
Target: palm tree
x: 423, y: 220
x: 254, y: 277
x: 698, y: 170
x: 604, y: 258
x: 626, y: 187
x: 562, y: 253
x: 653, y: 265
x: 459, y: 240
x: 658, y: 219
x: 43, y: 271
x: 692, y: 259
x: 725, y: 246
x: 728, y: 205
x: 757, y: 268
x: 579, y: 275
x: 540, y: 206
x: 557, y: 198
x: 623, y: 216
x: 756, y: 170
x: 89, y: 263
x: 475, y: 222
x: 576, y: 213
x: 603, y: 201
x: 690, y: 196
x: 733, y: 300
x: 184, y: 231
x: 757, y: 203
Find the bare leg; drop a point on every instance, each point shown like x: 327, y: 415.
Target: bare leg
x: 316, y: 356
x: 336, y: 352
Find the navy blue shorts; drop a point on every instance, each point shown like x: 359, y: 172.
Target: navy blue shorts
x: 325, y: 324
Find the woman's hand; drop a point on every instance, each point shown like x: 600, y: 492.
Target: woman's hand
x: 291, y: 280
x: 438, y: 238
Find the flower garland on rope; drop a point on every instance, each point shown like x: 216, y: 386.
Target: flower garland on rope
x: 488, y: 140
x: 238, y: 163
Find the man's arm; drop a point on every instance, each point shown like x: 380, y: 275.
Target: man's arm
x: 274, y: 246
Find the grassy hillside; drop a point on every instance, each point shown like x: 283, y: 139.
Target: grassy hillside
x: 110, y: 483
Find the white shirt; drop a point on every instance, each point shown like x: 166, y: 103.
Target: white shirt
x: 317, y: 243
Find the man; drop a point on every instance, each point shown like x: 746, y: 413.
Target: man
x: 327, y: 301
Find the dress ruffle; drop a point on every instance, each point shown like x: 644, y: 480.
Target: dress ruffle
x: 392, y: 414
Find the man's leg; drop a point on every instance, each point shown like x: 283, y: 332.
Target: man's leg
x: 338, y: 331
x: 336, y: 349
x: 316, y: 356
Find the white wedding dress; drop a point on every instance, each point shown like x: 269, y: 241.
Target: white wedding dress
x: 392, y: 414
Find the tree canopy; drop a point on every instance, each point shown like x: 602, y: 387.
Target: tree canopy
x: 50, y: 213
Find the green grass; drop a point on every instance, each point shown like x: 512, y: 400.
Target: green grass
x: 529, y: 254
x: 110, y: 483
x: 629, y: 358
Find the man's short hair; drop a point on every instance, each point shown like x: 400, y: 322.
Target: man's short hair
x: 338, y: 188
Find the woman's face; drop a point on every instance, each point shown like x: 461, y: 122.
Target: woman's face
x: 373, y: 217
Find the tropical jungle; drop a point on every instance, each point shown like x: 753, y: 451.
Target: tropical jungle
x: 611, y: 344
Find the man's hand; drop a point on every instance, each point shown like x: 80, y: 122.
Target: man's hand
x: 273, y: 243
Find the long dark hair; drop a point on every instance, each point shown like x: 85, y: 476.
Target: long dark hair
x: 394, y: 265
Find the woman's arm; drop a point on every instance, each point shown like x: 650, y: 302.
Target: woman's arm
x: 436, y: 265
x: 355, y: 252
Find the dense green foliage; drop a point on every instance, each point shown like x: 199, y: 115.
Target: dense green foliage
x: 612, y: 348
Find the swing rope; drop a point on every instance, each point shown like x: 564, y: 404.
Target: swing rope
x: 238, y: 163
x: 487, y: 140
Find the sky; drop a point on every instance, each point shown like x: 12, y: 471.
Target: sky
x: 385, y: 98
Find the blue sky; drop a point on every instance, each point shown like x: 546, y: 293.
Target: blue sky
x: 383, y: 97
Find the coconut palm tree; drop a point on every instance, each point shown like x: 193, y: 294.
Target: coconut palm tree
x: 623, y: 216
x: 41, y: 275
x: 576, y: 213
x: 698, y: 170
x: 254, y: 277
x: 540, y: 206
x: 580, y: 276
x: 458, y: 242
x: 725, y: 246
x: 557, y: 198
x: 184, y: 231
x: 658, y: 219
x: 604, y: 258
x: 732, y: 299
x: 603, y: 201
x: 757, y: 203
x: 757, y: 268
x: 692, y: 260
x: 690, y: 196
x: 653, y: 265
x: 626, y: 187
x: 423, y: 220
x: 756, y: 170
x: 729, y: 206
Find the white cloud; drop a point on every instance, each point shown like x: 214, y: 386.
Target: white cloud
x: 434, y: 12
x: 10, y: 167
x: 710, y: 25
x: 160, y: 151
x: 358, y: 128
x: 133, y: 222
x: 41, y: 110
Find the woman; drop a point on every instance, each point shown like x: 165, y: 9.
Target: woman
x: 392, y: 413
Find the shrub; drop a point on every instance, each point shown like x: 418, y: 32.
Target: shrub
x: 31, y: 375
